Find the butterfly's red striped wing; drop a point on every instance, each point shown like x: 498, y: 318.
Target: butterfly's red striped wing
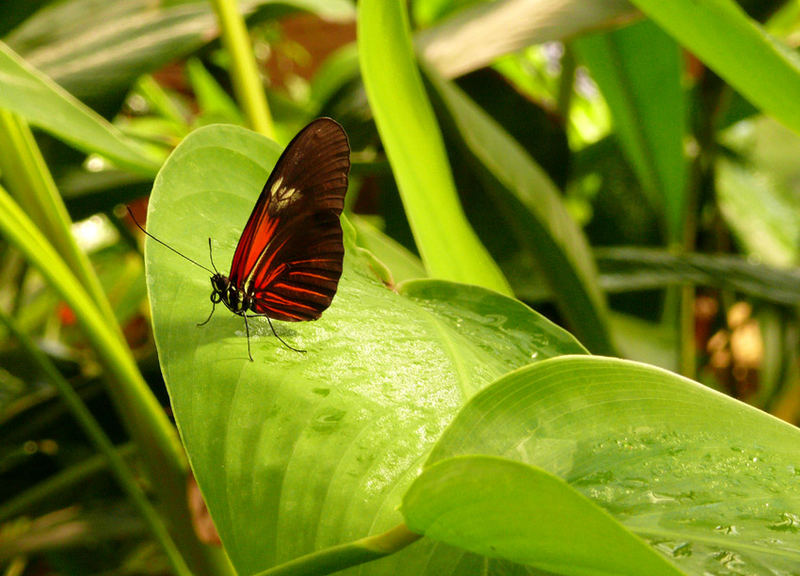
x: 289, y: 257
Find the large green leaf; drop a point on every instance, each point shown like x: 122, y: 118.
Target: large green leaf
x: 708, y: 481
x: 297, y: 452
x: 720, y: 33
x: 29, y: 93
x: 449, y: 247
x: 639, y: 69
x: 537, y: 215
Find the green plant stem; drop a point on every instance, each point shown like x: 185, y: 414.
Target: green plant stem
x: 246, y: 81
x: 702, y: 184
x: 148, y: 425
x: 48, y: 490
x: 346, y: 555
x: 566, y: 83
x: 103, y: 444
x: 688, y: 354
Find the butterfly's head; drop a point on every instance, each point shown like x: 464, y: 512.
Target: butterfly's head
x: 223, y: 290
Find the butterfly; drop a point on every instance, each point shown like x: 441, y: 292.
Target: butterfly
x: 288, y: 261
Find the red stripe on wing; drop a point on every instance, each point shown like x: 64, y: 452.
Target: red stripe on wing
x: 307, y: 274
x: 298, y: 291
x: 256, y: 237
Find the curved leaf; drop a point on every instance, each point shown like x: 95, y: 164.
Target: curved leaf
x: 505, y: 509
x: 762, y: 215
x: 97, y: 49
x: 537, y: 214
x: 403, y: 264
x: 705, y: 479
x: 477, y: 35
x: 629, y: 268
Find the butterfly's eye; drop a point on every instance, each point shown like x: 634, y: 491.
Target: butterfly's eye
x: 219, y: 282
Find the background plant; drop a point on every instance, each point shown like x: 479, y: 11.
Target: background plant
x: 666, y: 185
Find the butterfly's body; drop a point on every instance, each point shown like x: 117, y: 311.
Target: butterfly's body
x: 288, y: 261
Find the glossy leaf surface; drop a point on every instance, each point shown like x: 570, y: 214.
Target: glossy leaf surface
x: 705, y: 480
x: 505, y: 509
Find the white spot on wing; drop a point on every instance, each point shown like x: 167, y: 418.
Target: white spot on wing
x: 282, y: 197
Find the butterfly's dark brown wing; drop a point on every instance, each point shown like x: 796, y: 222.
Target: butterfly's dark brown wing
x: 289, y: 258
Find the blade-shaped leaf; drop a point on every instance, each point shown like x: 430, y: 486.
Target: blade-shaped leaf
x: 537, y: 213
x: 96, y: 50
x: 720, y: 33
x: 639, y: 69
x: 449, y: 247
x: 762, y: 215
x: 338, y: 69
x: 297, y: 452
x: 474, y: 37
x: 40, y: 101
x: 403, y: 264
x: 628, y: 268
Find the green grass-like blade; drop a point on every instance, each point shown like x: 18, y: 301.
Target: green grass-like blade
x: 447, y: 244
x: 146, y: 420
x: 537, y: 216
x: 720, y: 33
x: 121, y: 471
x: 43, y: 103
x: 639, y: 70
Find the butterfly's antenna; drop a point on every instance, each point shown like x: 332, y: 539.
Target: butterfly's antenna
x: 279, y: 338
x: 184, y: 256
x: 211, y: 255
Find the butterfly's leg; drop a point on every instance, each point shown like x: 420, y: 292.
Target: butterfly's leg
x: 213, y: 306
x: 281, y: 339
x: 247, y: 331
